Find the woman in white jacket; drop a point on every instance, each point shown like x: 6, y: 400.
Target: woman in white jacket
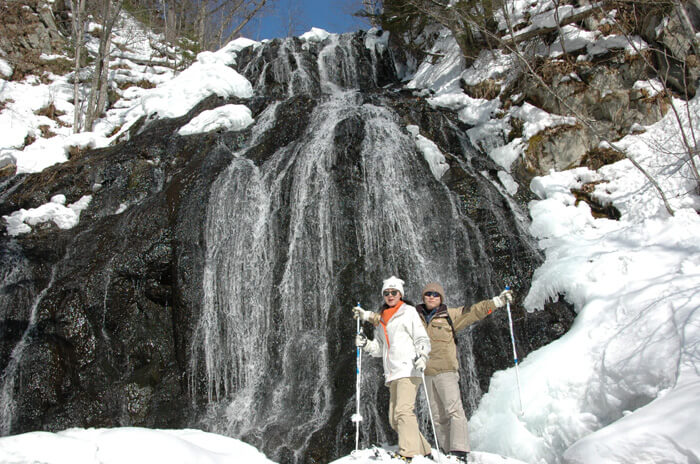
x: 404, y: 345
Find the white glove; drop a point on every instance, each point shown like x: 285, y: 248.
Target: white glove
x: 359, y: 313
x: 420, y: 362
x: 505, y: 296
x: 360, y: 340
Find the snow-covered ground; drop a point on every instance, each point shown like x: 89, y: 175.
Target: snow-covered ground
x: 131, y: 445
x: 621, y: 386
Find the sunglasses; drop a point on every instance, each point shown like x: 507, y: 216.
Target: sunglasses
x: 432, y: 294
x: 390, y: 292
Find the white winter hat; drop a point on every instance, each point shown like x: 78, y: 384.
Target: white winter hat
x: 393, y: 282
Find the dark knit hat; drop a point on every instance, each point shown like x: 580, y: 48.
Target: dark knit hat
x: 434, y: 287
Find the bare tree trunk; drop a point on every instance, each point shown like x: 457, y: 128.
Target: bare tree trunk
x: 201, y: 22
x: 245, y: 20
x: 77, y: 27
x: 372, y: 9
x: 169, y: 21
x: 99, y: 85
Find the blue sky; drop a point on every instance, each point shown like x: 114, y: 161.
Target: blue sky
x: 300, y: 15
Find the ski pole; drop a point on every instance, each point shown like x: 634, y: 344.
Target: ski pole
x: 357, y: 417
x: 515, y: 353
x: 430, y: 413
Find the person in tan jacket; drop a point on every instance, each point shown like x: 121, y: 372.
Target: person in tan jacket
x: 441, y: 371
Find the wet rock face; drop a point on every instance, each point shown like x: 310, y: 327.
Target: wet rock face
x: 107, y: 303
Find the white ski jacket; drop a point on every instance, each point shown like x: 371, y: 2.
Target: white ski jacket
x: 399, y: 343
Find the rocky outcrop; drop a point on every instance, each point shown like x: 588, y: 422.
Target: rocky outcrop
x: 28, y: 29
x: 103, y: 310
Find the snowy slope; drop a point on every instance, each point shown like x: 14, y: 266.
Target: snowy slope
x: 623, y: 384
x: 151, y: 90
x: 126, y: 445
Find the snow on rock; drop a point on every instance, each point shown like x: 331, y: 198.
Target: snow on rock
x: 47, y: 152
x: 5, y: 69
x: 444, y: 75
x: 315, y: 35
x: 176, y: 97
x: 65, y: 217
x: 377, y: 39
x: 432, y: 154
x: 129, y: 444
x: 227, y: 117
x: 472, y: 111
x: 488, y: 65
x: 508, y: 182
x: 537, y: 120
x: 652, y: 86
x: 24, y: 125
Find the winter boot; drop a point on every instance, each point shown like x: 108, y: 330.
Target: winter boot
x: 461, y: 456
x: 395, y: 455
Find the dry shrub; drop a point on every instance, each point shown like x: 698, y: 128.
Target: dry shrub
x: 143, y: 83
x: 50, y: 112
x: 46, y: 131
x: 516, y: 131
x: 75, y: 152
x: 632, y: 15
x: 487, y: 89
x: 598, y: 209
x: 548, y: 69
x: 114, y: 131
x: 599, y: 157
x: 4, y: 103
x: 29, y: 139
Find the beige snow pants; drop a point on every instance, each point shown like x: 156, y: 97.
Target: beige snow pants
x: 402, y: 416
x: 448, y: 413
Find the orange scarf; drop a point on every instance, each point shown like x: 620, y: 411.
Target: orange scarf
x: 387, y: 314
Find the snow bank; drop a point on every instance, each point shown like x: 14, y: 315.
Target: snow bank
x: 129, y: 444
x: 227, y: 117
x: 432, y: 154
x: 624, y: 379
x: 315, y: 35
x: 65, y: 217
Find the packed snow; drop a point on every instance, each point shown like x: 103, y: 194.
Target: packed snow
x: 432, y: 154
x: 621, y: 386
x: 315, y: 35
x: 65, y: 217
x: 227, y: 117
x: 131, y: 445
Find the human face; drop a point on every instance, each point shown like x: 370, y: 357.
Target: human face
x: 391, y: 296
x: 432, y: 300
